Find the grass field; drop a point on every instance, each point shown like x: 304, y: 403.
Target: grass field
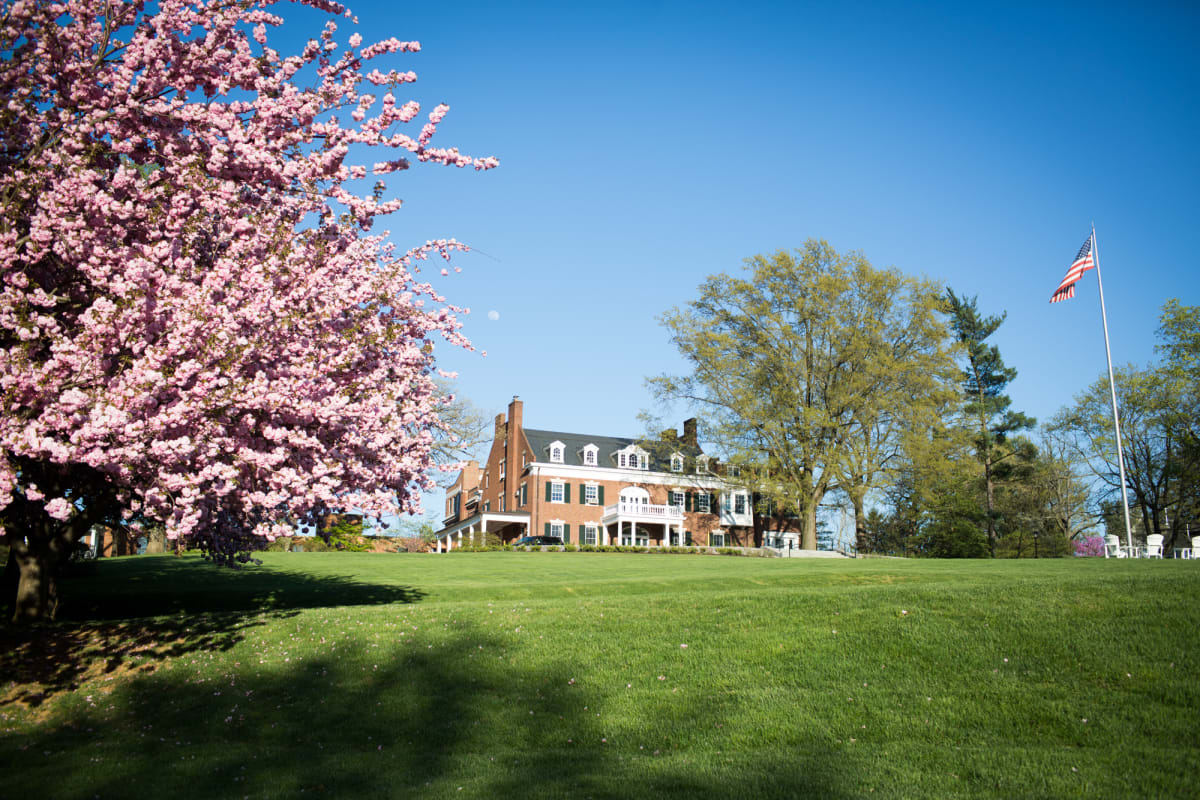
x: 609, y: 676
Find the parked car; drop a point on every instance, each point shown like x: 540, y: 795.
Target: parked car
x: 538, y: 541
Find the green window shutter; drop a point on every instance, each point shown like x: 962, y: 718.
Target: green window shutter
x: 566, y: 533
x: 547, y: 528
x: 547, y: 491
x: 566, y: 492
x: 601, y: 495
x: 712, y: 504
x: 689, y: 538
x: 687, y: 501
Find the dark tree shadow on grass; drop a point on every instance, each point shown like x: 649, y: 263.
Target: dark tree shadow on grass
x: 129, y: 588
x: 404, y: 720
x: 130, y: 615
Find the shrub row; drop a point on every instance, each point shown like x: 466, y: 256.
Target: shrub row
x: 609, y: 548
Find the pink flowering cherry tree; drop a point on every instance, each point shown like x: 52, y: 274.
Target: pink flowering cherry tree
x: 201, y: 326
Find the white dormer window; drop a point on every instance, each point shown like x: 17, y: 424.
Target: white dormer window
x: 702, y: 464
x: 633, y: 457
x: 677, y: 463
x: 557, y: 449
x: 590, y: 455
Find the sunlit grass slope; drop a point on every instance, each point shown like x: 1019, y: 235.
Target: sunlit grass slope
x: 610, y: 676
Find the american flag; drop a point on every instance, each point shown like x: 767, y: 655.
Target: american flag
x: 1082, y: 263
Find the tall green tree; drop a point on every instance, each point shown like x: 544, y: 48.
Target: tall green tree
x: 911, y: 381
x: 799, y: 366
x: 984, y: 380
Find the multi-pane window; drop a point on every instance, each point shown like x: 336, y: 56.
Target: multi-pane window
x: 727, y: 502
x: 589, y: 456
x: 556, y: 492
x: 556, y: 454
x: 589, y: 534
x: 524, y: 497
x: 591, y: 494
x: 633, y: 460
x: 718, y: 539
x: 677, y: 498
x: 739, y: 504
x: 676, y: 463
x: 556, y: 529
x: 702, y: 502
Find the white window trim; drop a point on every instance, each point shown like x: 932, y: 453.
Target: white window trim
x: 590, y: 455
x: 676, y: 462
x: 633, y: 457
x: 713, y: 536
x: 556, y: 527
x: 707, y: 508
x: 589, y: 489
x: 561, y: 487
x: 561, y: 452
x: 591, y: 535
x: 682, y: 497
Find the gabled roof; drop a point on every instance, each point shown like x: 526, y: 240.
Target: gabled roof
x: 660, y: 452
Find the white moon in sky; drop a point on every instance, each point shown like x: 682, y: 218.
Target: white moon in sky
x: 493, y: 315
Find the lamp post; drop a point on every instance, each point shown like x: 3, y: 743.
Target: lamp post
x: 1035, y: 545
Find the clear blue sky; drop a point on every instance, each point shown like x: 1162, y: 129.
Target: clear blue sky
x: 646, y: 145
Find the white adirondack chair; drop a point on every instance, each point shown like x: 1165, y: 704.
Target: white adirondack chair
x: 1154, y: 545
x: 1112, y: 547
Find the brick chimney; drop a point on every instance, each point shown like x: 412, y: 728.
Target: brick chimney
x: 689, y: 433
x: 499, y: 426
x: 514, y: 413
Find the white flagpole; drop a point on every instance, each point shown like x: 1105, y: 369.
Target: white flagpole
x: 1112, y: 389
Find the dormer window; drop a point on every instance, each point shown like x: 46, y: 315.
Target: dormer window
x: 677, y: 463
x: 557, y: 449
x: 702, y: 464
x: 590, y: 455
x: 633, y: 457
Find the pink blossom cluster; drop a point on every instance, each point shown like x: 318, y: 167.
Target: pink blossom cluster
x: 191, y: 301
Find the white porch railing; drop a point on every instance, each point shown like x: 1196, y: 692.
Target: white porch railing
x: 644, y: 510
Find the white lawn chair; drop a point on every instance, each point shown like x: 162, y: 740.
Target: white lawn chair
x: 1154, y: 545
x: 1112, y: 547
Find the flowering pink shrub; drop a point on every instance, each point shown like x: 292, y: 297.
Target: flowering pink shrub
x: 1090, y: 546
x: 199, y: 325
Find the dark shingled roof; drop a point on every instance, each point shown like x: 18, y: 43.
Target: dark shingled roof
x: 660, y: 451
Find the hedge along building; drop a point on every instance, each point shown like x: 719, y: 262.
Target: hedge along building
x: 596, y: 490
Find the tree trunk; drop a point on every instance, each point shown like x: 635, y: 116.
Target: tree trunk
x: 860, y: 522
x: 990, y: 490
x: 30, y: 584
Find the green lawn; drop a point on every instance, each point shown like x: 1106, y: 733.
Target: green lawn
x: 566, y: 675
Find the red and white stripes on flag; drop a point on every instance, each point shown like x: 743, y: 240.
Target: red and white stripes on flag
x: 1082, y: 263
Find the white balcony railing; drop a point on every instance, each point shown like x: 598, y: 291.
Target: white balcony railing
x: 644, y: 510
